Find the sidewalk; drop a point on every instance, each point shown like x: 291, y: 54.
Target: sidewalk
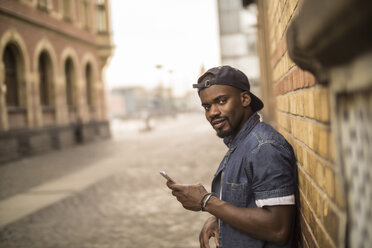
x: 33, y: 183
x: 41, y: 196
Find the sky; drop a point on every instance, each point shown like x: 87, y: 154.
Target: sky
x: 181, y: 36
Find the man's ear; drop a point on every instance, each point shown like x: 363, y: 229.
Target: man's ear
x: 245, y: 98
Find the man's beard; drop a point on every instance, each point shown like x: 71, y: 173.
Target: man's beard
x: 225, y: 133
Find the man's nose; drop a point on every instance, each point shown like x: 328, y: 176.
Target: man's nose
x: 214, y: 111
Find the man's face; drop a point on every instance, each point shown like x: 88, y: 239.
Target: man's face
x: 224, y: 109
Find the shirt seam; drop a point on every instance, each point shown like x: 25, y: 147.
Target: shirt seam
x: 261, y: 143
x: 274, y: 193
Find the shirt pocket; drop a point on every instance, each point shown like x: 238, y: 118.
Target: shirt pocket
x: 236, y: 194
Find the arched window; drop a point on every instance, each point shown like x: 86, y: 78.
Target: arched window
x: 69, y: 75
x: 44, y: 79
x: 88, y: 79
x: 11, y: 78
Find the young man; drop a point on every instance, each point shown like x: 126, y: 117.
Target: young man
x: 253, y: 191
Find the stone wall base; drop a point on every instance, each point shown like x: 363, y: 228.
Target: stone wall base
x: 15, y: 144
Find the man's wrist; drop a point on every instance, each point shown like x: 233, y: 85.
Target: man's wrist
x: 205, y: 200
x: 212, y: 203
x: 202, y: 200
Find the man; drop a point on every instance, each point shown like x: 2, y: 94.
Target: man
x: 253, y: 191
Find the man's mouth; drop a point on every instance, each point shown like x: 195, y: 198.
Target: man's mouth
x: 219, y: 123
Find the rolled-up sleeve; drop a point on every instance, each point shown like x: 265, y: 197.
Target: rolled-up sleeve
x: 272, y: 169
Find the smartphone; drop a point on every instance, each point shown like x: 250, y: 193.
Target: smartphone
x: 166, y: 176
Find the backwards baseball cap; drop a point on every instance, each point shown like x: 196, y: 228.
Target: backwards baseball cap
x: 227, y: 75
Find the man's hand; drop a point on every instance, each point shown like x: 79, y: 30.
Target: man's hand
x: 188, y: 195
x: 210, y: 229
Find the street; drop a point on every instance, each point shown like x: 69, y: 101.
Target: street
x: 110, y: 193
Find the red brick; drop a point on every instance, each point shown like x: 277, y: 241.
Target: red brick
x: 310, y: 78
x: 295, y: 76
x: 286, y: 85
x: 301, y: 79
x: 289, y: 85
x: 281, y: 88
x: 276, y: 89
x: 290, y: 79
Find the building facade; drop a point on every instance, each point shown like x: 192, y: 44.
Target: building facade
x: 238, y: 39
x: 53, y: 54
x: 315, y: 59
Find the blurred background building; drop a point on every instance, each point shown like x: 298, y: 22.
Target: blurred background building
x: 138, y: 102
x: 53, y: 54
x: 238, y: 38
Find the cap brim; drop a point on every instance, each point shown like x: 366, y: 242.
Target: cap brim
x: 256, y: 103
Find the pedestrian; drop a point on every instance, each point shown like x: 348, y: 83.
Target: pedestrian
x: 252, y: 202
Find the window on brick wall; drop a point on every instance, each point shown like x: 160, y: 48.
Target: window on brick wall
x: 69, y: 77
x: 44, y: 5
x: 45, y: 78
x: 89, y: 88
x: 67, y: 9
x: 101, y: 20
x: 11, y: 75
x: 86, y: 14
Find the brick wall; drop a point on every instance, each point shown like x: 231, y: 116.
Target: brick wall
x: 302, y: 115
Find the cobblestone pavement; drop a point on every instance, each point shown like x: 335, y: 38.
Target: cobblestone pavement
x: 15, y: 177
x: 132, y: 207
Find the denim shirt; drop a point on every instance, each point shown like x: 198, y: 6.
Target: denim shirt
x: 260, y: 164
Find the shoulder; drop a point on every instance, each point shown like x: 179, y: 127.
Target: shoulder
x: 266, y: 134
x: 273, y: 157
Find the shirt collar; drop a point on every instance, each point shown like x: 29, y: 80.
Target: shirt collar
x: 246, y: 129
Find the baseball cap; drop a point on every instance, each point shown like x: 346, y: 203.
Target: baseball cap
x: 227, y: 75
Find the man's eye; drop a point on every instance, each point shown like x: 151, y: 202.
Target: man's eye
x: 222, y: 101
x: 207, y: 108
